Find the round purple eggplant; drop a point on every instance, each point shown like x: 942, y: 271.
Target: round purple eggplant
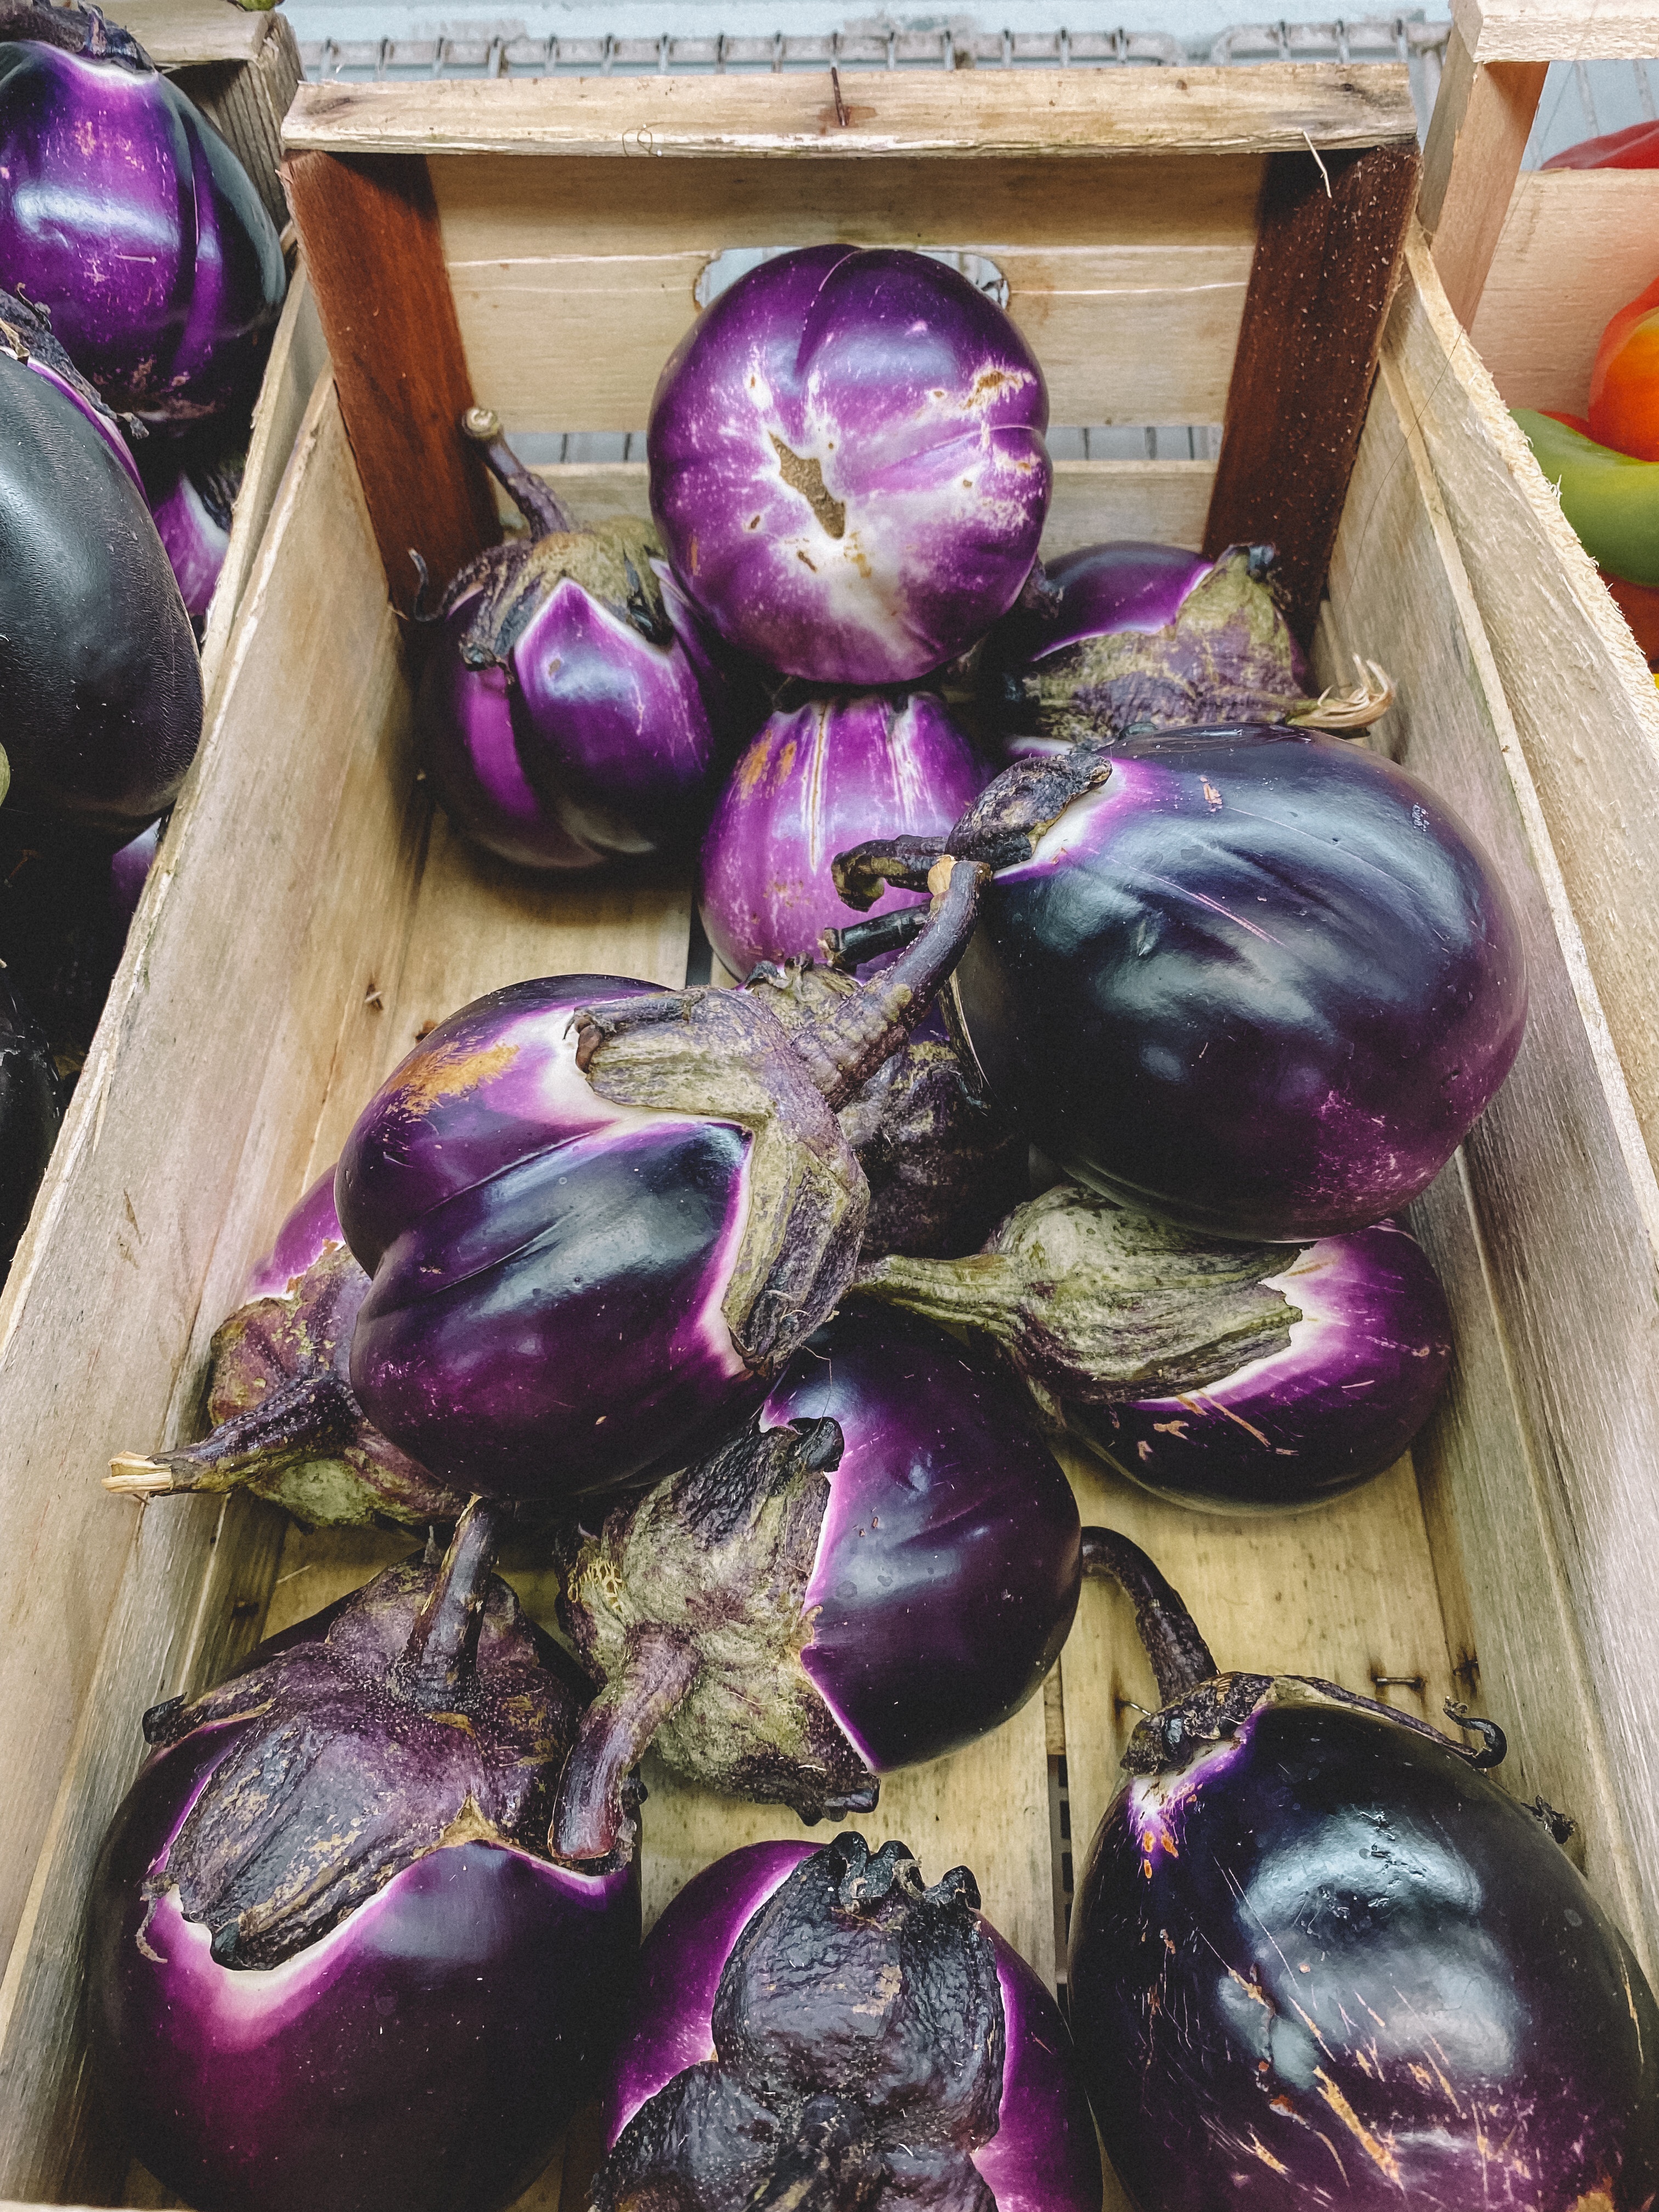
x: 31, y: 1113
x: 1129, y: 633
x: 128, y: 216
x: 811, y: 779
x: 848, y: 465
x: 568, y: 714
x: 814, y: 2021
x: 1340, y: 1353
x: 129, y: 871
x: 327, y: 1959
x: 192, y: 496
x: 287, y: 1426
x: 1319, y: 1956
x: 597, y: 1225
x: 97, y: 664
x: 1251, y: 979
x: 883, y: 1570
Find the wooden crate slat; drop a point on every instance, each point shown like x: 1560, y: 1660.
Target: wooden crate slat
x: 370, y: 233
x: 1483, y: 114
x: 983, y: 113
x: 1558, y: 30
x: 1328, y: 243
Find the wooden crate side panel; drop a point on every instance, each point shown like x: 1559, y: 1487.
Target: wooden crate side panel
x: 93, y: 1365
x: 1558, y: 30
x: 1483, y: 113
x: 1583, y: 702
x: 298, y: 358
x: 1562, y: 1194
x: 989, y: 113
x: 1576, y: 245
x: 246, y: 103
x: 1135, y: 315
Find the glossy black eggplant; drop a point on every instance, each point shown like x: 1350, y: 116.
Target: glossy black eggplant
x: 1320, y: 1957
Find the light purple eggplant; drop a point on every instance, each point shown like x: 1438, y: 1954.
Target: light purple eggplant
x: 815, y: 776
x: 598, y: 1224
x: 129, y: 217
x: 882, y: 1570
x: 192, y: 496
x: 1319, y: 1956
x: 99, y: 672
x: 813, y: 2018
x: 1127, y: 633
x: 1252, y: 980
x: 848, y: 464
x: 129, y: 871
x: 1342, y: 1353
x: 328, y: 1960
x: 569, y: 713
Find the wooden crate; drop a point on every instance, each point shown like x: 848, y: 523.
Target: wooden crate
x: 1193, y: 238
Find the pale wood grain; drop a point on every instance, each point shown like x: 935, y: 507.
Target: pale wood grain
x: 1576, y: 244
x: 1558, y: 30
x: 989, y: 113
x: 175, y: 32
x: 1483, y: 113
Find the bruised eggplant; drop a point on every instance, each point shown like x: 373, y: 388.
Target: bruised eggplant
x: 1327, y: 1394
x: 813, y: 2028
x: 599, y: 1226
x: 328, y: 1961
x: 286, y: 1424
x: 1318, y: 1956
x: 882, y: 1571
x: 1251, y: 979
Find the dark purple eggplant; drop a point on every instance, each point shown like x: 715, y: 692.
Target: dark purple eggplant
x: 1251, y: 979
x: 328, y: 1961
x: 98, y: 665
x: 192, y: 488
x: 570, y: 712
x: 31, y: 1113
x: 286, y: 1424
x: 129, y: 219
x: 883, y: 1570
x: 129, y: 871
x: 813, y: 2029
x: 599, y: 1226
x: 1319, y: 1957
x: 1353, y: 1349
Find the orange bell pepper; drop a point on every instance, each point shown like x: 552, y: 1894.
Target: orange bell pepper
x: 1624, y: 398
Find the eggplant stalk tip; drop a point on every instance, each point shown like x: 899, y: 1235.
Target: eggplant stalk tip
x: 1180, y: 1657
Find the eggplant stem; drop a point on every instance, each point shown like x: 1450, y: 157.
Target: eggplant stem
x: 310, y: 1410
x: 547, y: 516
x: 72, y: 30
x: 134, y: 1475
x: 844, y: 1047
x: 589, y: 1819
x: 1181, y: 1658
x: 868, y: 940
x: 442, y: 1649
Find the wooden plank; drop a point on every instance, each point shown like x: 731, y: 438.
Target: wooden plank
x: 246, y: 103
x: 1555, y: 1510
x: 1577, y: 245
x: 175, y: 33
x: 1328, y: 249
x: 185, y: 1143
x: 1167, y: 501
x: 298, y: 358
x: 369, y: 229
x: 1558, y: 30
x: 1482, y: 115
x: 989, y: 113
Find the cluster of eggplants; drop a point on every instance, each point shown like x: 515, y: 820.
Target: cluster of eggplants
x: 848, y: 464
x: 329, y: 1959
x: 1333, y: 1359
x: 1251, y: 979
x: 1319, y: 1956
x: 880, y: 1569
x: 815, y: 776
x: 570, y: 712
x: 814, y: 2027
x: 129, y: 219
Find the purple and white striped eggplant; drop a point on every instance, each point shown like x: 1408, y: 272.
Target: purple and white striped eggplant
x: 882, y: 1571
x: 329, y: 1960
x: 1252, y: 980
x: 815, y: 776
x: 1343, y: 1349
x: 812, y: 2027
x: 1320, y: 1957
x: 126, y: 215
x: 848, y: 464
x: 192, y: 495
x: 569, y: 714
x: 598, y: 1224
x: 99, y: 674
